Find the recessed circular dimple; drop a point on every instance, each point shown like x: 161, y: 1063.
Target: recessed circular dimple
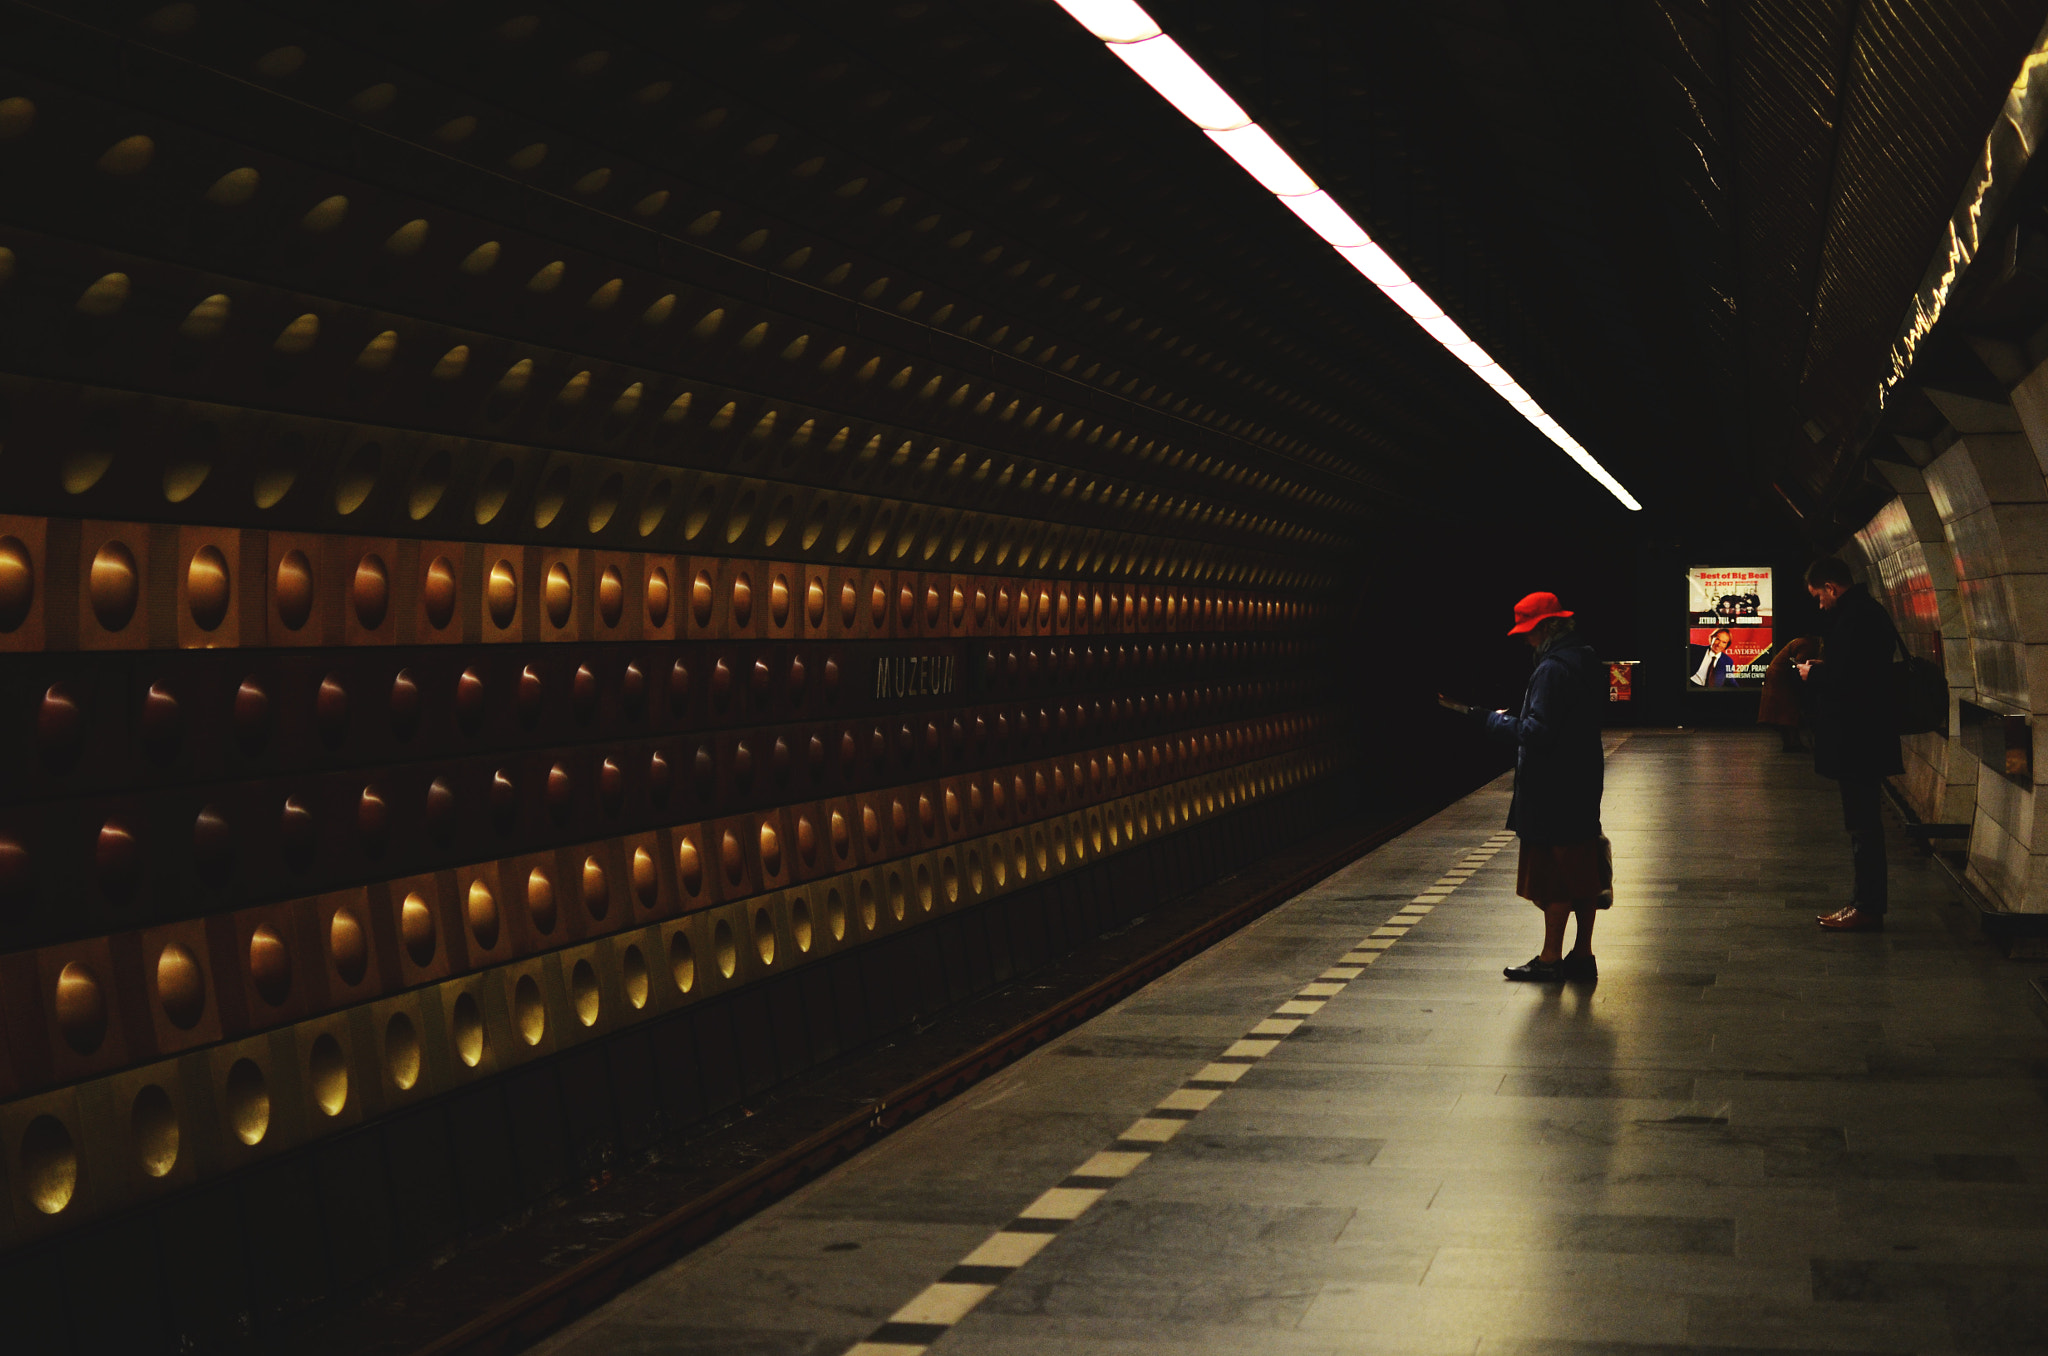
x: 438, y: 592
x: 689, y: 868
x: 401, y: 1053
x: 633, y: 976
x: 646, y: 881
x: 731, y: 858
x: 80, y: 1008
x: 530, y: 692
x: 597, y: 890
x: 466, y: 1025
x: 294, y: 589
x: 657, y: 597
x: 583, y: 691
x: 480, y: 907
x: 49, y: 1165
x: 611, y: 596
x: 558, y: 595
x: 501, y: 594
x: 469, y: 699
x: 206, y: 588
x: 297, y: 834
x: 584, y: 994
x: 778, y: 601
x: 213, y: 842
x: 370, y: 592
x: 348, y: 945
x: 358, y: 475
x: 701, y: 598
x: 181, y: 986
x: 60, y: 721
x: 540, y: 899
x: 247, y: 1099
x: 429, y: 484
x: 504, y: 801
x: 270, y: 965
x: 330, y: 708
x: 113, y: 585
x: 529, y: 1012
x: 153, y: 1121
x: 117, y: 857
x: 404, y: 704
x: 17, y: 583
x: 561, y: 791
x: 416, y: 928
x: 682, y: 962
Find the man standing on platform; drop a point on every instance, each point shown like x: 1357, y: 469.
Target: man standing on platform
x: 1855, y: 735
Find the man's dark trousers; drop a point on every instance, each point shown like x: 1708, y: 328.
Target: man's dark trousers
x: 1866, y: 836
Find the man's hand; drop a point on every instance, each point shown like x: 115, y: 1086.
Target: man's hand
x: 1805, y: 667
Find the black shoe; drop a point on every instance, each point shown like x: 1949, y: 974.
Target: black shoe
x: 1580, y: 965
x: 1538, y: 970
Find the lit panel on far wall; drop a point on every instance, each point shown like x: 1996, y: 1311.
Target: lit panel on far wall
x: 1178, y: 78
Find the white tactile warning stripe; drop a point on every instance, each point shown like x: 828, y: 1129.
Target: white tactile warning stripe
x: 935, y: 1309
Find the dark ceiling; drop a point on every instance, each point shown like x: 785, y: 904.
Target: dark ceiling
x: 1695, y: 224
x: 1690, y: 227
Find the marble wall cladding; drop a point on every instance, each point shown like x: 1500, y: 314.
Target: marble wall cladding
x: 1907, y: 565
x: 1991, y: 496
x: 2030, y: 401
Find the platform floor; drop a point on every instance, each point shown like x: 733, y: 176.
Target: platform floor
x: 1749, y: 1135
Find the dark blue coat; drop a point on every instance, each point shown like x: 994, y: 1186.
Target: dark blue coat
x: 1559, y: 769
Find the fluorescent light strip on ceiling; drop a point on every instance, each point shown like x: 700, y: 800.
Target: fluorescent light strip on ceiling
x: 1139, y: 43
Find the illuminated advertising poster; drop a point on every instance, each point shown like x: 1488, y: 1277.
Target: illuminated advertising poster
x: 1729, y: 640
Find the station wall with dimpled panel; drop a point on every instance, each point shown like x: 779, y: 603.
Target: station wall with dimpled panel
x: 550, y: 581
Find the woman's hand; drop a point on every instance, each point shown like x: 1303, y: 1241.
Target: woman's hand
x: 1805, y: 667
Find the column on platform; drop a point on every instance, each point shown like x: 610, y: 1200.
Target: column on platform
x: 1907, y: 563
x: 1990, y: 494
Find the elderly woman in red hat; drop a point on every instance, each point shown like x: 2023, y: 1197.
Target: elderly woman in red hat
x: 1566, y: 867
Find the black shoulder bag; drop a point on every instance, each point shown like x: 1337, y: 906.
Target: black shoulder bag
x: 1918, y: 689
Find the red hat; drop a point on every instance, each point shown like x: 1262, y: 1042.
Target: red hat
x: 1537, y: 607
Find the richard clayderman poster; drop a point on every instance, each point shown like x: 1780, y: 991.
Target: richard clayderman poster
x: 1729, y: 626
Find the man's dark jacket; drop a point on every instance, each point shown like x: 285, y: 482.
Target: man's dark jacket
x: 1558, y: 764
x: 1854, y: 731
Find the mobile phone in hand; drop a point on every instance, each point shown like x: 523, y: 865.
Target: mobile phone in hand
x: 1449, y: 705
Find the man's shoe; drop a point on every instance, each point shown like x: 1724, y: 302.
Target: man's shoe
x: 1538, y: 970
x: 1580, y: 966
x: 1827, y: 918
x: 1853, y: 919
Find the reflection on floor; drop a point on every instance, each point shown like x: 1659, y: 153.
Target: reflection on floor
x: 1750, y: 1135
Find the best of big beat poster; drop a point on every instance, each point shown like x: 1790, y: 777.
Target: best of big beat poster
x: 1729, y: 633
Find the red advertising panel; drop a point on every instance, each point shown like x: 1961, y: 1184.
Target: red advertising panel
x: 1729, y: 637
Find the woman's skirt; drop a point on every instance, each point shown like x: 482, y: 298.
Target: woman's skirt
x: 1567, y: 873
